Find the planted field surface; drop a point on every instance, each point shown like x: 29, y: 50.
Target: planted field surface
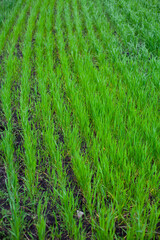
x: 80, y: 120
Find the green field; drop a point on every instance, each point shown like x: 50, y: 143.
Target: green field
x: 80, y: 120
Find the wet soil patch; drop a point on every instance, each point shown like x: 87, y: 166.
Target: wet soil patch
x: 51, y: 212
x: 18, y: 51
x: 30, y: 231
x: 120, y: 229
x: 2, y: 128
x: 73, y: 185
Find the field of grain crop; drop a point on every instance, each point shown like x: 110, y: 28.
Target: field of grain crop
x: 80, y: 120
